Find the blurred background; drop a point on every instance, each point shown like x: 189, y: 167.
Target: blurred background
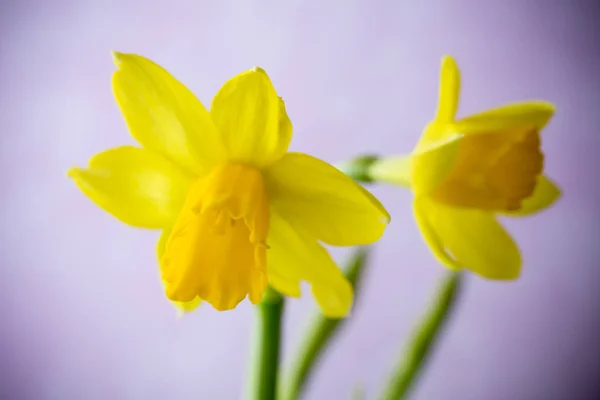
x: 82, y: 311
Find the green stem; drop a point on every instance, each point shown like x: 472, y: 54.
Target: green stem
x: 265, y: 358
x: 322, y: 330
x: 424, y: 337
x: 358, y: 168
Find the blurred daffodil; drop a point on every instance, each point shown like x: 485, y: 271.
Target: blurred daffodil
x: 237, y: 210
x: 465, y: 171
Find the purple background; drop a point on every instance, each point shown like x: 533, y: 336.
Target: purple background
x: 82, y: 312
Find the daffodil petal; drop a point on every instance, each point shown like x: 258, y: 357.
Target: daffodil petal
x: 440, y: 131
x: 334, y: 298
x: 449, y: 90
x: 544, y: 195
x: 431, y: 237
x: 474, y: 238
x: 295, y: 256
x: 285, y: 131
x: 181, y: 306
x: 284, y: 284
x: 325, y: 202
x: 535, y: 114
x: 431, y: 164
x: 252, y: 118
x: 395, y: 170
x: 163, y: 115
x: 137, y: 186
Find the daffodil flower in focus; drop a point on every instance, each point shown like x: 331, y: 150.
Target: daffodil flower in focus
x: 465, y: 171
x: 236, y: 209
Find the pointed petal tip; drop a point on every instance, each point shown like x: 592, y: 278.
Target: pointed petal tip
x: 448, y: 60
x: 449, y: 67
x: 554, y: 192
x: 117, y: 57
x: 507, y: 274
x: 540, y: 106
x: 334, y: 301
x: 385, y: 218
x: 74, y: 172
x: 513, y: 276
x: 558, y: 193
x: 261, y: 72
x: 547, y: 106
x: 449, y: 89
x: 449, y: 63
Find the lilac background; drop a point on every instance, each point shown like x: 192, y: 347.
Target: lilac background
x: 82, y: 313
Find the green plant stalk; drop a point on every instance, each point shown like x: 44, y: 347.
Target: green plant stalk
x: 415, y: 356
x: 321, y: 331
x: 265, y: 351
x: 358, y: 168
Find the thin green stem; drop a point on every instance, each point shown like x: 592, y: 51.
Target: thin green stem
x: 265, y: 357
x: 358, y: 168
x: 316, y: 340
x: 424, y: 338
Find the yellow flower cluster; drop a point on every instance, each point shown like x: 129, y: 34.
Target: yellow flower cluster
x: 463, y: 172
x: 238, y: 211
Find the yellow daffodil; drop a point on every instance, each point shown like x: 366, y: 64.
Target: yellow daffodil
x: 237, y: 210
x: 464, y: 171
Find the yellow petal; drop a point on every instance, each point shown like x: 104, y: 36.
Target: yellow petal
x: 474, y: 238
x: 163, y: 115
x: 534, y: 114
x: 544, y: 195
x: 217, y: 249
x: 181, y: 306
x: 252, y: 119
x: 395, y: 170
x: 440, y: 131
x: 137, y: 186
x: 320, y: 199
x: 432, y: 160
x: 285, y: 130
x: 431, y: 237
x: 334, y: 298
x: 284, y: 284
x: 449, y: 90
x: 437, y: 147
x: 295, y: 256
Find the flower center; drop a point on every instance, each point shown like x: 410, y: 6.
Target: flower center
x: 493, y: 171
x: 217, y: 248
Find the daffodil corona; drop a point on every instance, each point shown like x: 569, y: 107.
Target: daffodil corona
x: 465, y: 171
x: 236, y: 209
